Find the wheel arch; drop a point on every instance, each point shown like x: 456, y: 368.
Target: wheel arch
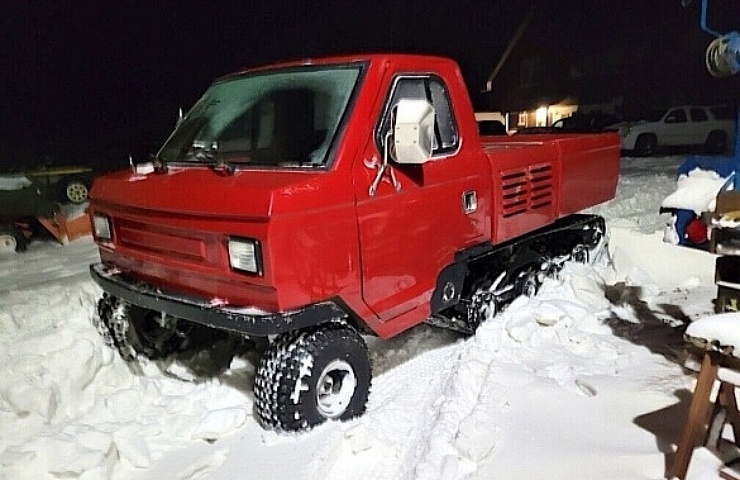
x: 716, y: 141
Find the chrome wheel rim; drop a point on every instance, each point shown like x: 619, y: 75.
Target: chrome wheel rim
x: 335, y: 388
x: 77, y: 192
x: 8, y: 243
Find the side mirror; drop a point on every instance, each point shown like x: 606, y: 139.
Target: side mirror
x: 413, y: 131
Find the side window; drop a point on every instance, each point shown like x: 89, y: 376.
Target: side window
x: 433, y: 90
x: 698, y: 115
x: 676, y: 116
x: 445, y: 124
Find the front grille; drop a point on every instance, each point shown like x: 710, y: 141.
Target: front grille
x: 156, y: 240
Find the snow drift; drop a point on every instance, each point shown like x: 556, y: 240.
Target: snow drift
x: 582, y: 381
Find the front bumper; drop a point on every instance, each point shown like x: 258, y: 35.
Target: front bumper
x: 206, y: 312
x: 628, y: 141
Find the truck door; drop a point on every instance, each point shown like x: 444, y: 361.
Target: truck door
x: 677, y: 128
x: 699, y: 121
x: 413, y: 218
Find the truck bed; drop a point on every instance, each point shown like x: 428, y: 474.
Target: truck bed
x: 540, y: 178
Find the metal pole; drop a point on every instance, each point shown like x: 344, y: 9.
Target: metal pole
x: 737, y: 151
x: 704, y: 6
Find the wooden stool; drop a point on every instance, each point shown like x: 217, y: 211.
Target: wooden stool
x: 699, y: 429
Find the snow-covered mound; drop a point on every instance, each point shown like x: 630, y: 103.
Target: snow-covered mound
x: 582, y: 381
x: 696, y: 191
x: 718, y: 332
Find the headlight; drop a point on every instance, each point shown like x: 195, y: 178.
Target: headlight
x: 101, y: 224
x: 245, y: 255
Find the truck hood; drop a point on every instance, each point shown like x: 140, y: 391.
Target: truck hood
x: 203, y: 192
x: 624, y: 128
x: 616, y: 126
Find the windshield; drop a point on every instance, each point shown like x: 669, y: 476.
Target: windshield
x: 273, y: 118
x: 654, y: 115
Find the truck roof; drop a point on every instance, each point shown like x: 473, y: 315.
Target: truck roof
x: 421, y: 59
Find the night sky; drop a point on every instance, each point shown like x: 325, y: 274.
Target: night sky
x: 95, y: 80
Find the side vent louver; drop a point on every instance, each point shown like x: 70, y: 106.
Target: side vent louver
x: 525, y: 189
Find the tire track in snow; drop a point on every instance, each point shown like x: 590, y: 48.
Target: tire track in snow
x: 473, y: 398
x: 556, y: 335
x: 405, y: 401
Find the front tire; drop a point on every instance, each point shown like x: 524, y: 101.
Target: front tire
x: 137, y: 332
x: 646, y: 145
x: 313, y: 375
x: 12, y: 240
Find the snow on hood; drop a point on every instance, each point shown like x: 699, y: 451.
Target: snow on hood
x: 14, y: 182
x: 696, y: 191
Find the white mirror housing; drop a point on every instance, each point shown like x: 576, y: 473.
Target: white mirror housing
x: 413, y: 135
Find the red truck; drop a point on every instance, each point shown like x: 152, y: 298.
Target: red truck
x: 299, y: 205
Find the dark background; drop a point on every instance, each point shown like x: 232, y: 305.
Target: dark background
x: 89, y: 82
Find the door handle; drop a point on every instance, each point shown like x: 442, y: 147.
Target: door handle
x: 470, y: 202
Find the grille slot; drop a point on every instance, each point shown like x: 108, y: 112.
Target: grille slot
x: 145, y: 238
x: 526, y: 189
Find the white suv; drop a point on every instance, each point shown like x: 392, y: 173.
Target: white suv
x: 710, y: 126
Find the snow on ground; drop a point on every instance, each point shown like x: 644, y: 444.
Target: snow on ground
x: 583, y: 381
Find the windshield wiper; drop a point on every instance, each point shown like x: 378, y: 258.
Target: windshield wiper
x: 159, y: 164
x: 202, y: 153
x: 208, y: 154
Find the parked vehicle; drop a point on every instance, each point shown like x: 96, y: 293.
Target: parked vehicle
x: 68, y: 184
x: 491, y: 127
x: 585, y: 122
x: 575, y: 123
x: 711, y: 127
x: 26, y: 210
x: 305, y: 203
x: 67, y: 181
